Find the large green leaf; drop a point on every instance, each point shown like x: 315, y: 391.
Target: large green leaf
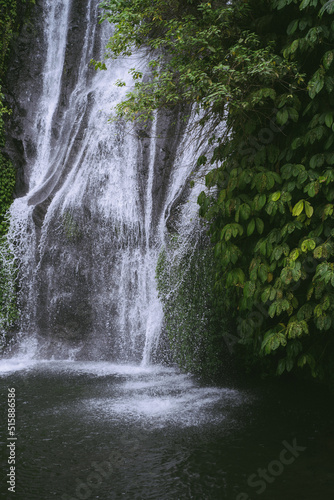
x: 298, y: 208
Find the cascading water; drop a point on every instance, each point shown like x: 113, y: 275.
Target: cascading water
x: 87, y: 233
x: 95, y: 202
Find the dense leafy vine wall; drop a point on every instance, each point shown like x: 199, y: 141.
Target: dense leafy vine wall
x: 272, y: 222
x: 266, y: 68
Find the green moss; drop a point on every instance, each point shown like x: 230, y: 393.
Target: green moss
x: 9, y: 26
x: 8, y: 11
x: 70, y: 227
x: 185, y: 277
x: 8, y: 297
x: 7, y: 185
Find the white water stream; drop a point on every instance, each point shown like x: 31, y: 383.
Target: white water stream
x: 87, y: 234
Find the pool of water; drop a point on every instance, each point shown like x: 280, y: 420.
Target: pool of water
x: 90, y: 430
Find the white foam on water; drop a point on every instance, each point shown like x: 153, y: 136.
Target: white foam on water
x: 15, y: 364
x: 153, y: 396
x: 157, y: 405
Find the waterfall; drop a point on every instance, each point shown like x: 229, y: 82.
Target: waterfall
x: 56, y: 22
x: 87, y: 232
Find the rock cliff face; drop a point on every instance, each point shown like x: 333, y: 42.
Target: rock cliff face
x: 93, y: 197
x: 22, y: 85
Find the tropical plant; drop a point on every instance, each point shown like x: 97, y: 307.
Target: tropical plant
x: 265, y: 68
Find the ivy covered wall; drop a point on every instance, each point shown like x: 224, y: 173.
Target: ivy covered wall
x: 266, y: 69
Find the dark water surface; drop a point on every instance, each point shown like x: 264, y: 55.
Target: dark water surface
x: 103, y: 431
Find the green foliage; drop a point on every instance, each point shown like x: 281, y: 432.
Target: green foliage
x: 328, y: 7
x: 285, y: 177
x: 8, y: 307
x: 7, y: 24
x: 266, y: 69
x: 212, y: 58
x: 7, y: 185
x: 8, y: 10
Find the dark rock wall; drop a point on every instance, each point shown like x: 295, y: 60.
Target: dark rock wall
x: 22, y: 85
